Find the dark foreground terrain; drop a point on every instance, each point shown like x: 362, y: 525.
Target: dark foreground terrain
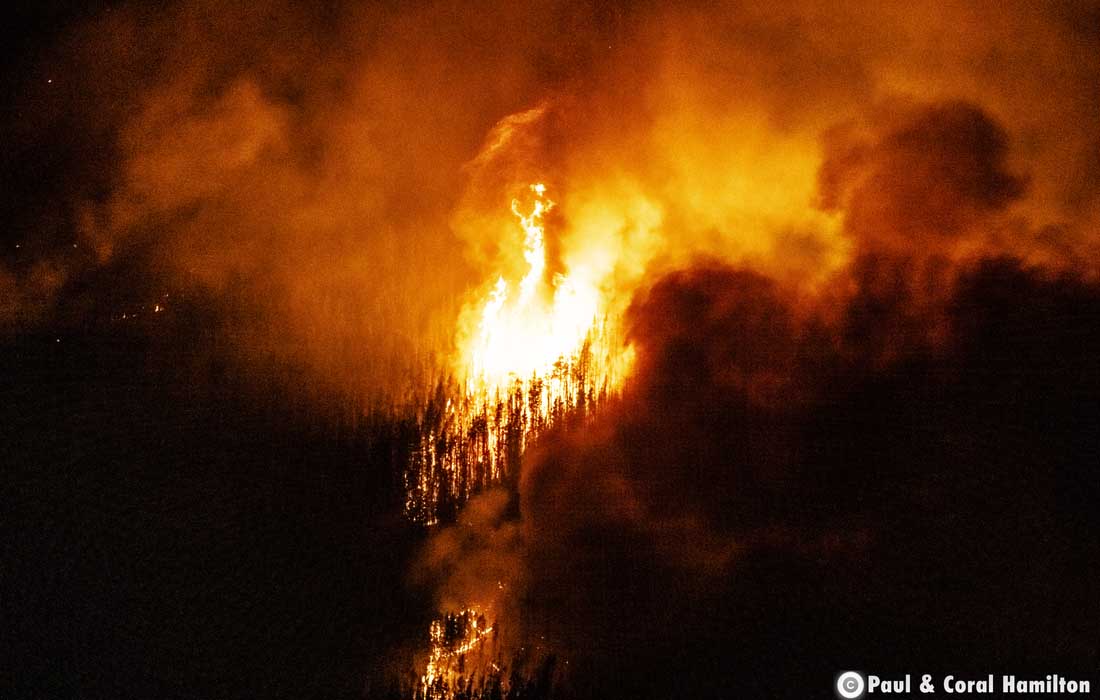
x: 179, y: 527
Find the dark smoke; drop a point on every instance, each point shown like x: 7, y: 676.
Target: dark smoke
x: 766, y: 504
x: 935, y: 175
x: 858, y: 243
x: 901, y: 468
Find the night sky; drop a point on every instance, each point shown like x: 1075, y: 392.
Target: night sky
x: 854, y: 252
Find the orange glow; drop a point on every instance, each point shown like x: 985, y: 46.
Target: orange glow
x: 539, y: 350
x: 522, y: 334
x: 452, y: 639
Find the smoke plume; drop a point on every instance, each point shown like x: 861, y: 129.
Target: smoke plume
x: 310, y: 170
x: 853, y: 247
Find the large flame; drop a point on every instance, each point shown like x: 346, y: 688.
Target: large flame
x: 522, y: 334
x: 541, y: 350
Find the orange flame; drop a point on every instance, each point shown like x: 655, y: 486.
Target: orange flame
x: 448, y: 654
x: 524, y: 335
x: 541, y: 350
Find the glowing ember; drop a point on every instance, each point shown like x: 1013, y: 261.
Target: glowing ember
x: 453, y: 639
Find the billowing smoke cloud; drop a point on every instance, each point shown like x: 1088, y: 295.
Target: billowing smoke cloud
x: 848, y: 426
x: 796, y: 483
x: 936, y: 176
x: 772, y: 500
x: 297, y: 166
x: 310, y: 170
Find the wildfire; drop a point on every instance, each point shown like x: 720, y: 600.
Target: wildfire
x: 542, y: 350
x: 521, y: 335
x: 452, y: 639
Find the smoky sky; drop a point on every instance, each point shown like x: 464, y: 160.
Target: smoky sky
x: 313, y: 169
x: 854, y: 248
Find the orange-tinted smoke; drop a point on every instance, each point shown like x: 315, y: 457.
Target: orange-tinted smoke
x: 322, y: 167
